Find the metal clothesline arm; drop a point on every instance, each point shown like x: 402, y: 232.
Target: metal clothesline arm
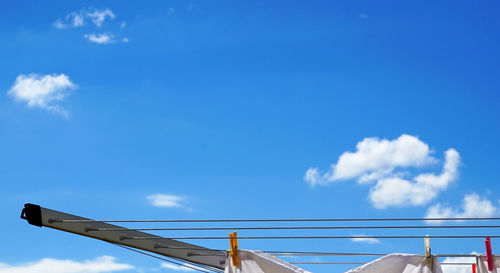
x: 43, y: 217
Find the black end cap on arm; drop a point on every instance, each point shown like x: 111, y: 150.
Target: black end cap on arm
x: 33, y: 214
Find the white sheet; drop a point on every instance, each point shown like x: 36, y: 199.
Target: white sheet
x: 398, y: 263
x: 259, y: 262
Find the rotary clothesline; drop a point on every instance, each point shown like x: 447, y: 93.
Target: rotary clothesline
x: 202, y: 259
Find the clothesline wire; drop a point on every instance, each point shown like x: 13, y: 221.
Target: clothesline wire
x: 313, y: 237
x: 293, y: 228
x: 316, y: 253
x: 283, y: 253
x: 279, y: 220
x: 339, y: 254
x: 184, y: 264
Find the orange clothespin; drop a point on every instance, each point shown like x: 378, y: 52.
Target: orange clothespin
x: 233, y: 241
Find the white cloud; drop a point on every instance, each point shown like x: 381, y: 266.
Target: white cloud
x: 42, y: 91
x: 170, y: 11
x: 364, y: 16
x: 396, y: 191
x: 374, y: 158
x: 98, y: 16
x: 49, y: 265
x: 458, y: 268
x: 472, y: 206
x: 384, y: 161
x: 123, y: 25
x: 365, y: 240
x: 183, y: 267
x: 102, y: 38
x: 166, y: 200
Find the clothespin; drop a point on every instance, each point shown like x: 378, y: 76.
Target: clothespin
x: 428, y: 256
x: 489, y: 254
x: 233, y: 241
x: 474, y: 268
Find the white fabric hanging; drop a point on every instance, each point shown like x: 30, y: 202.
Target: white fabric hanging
x: 482, y: 265
x: 258, y: 262
x: 398, y: 263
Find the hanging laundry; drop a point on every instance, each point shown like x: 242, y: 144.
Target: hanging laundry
x: 260, y: 262
x: 482, y: 265
x: 398, y: 263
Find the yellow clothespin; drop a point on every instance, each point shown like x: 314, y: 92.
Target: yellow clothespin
x: 428, y: 256
x: 233, y: 241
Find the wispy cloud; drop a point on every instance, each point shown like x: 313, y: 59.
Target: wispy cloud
x: 472, y: 206
x: 170, y: 11
x: 48, y: 265
x: 364, y: 16
x: 99, y: 16
x: 42, y: 91
x: 94, y: 18
x: 101, y: 38
x: 79, y: 19
x: 166, y: 200
x: 365, y: 240
x: 59, y: 24
x: 380, y: 164
x: 72, y: 20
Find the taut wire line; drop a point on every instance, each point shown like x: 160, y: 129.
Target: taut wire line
x: 279, y: 220
x: 293, y: 228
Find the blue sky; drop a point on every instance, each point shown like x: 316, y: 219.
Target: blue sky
x: 222, y: 107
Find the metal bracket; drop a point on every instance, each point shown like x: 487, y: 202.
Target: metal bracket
x: 33, y: 214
